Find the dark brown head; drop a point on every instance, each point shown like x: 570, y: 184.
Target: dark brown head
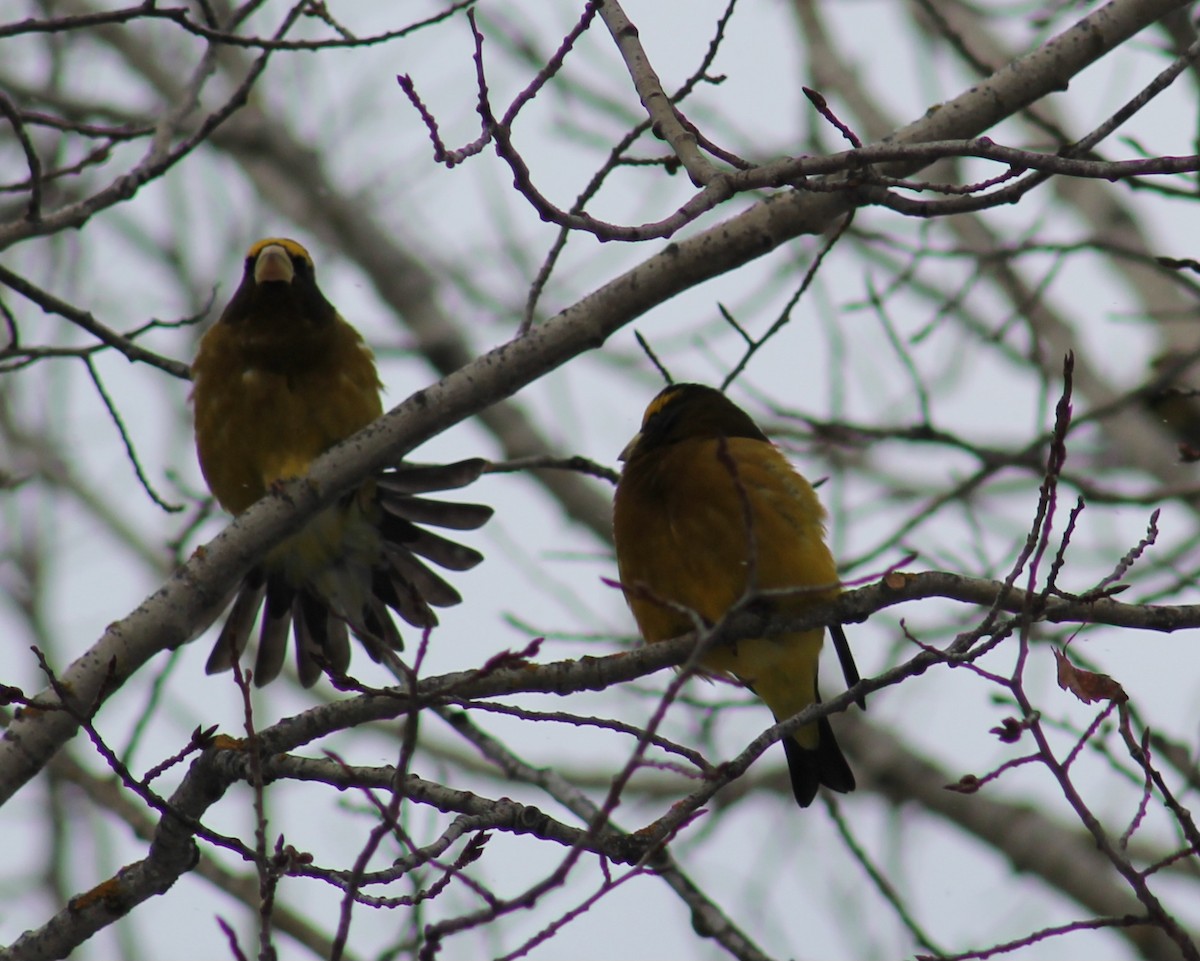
x: 279, y: 285
x: 689, y: 412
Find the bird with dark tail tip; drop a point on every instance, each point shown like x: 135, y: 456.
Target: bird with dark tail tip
x: 707, y: 510
x: 278, y: 380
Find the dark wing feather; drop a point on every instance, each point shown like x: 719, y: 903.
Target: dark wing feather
x: 428, y: 584
x: 322, y: 642
x: 442, y: 551
x: 399, y: 593
x: 400, y: 581
x: 423, y: 478
x: 423, y: 510
x: 237, y: 627
x: 308, y: 626
x: 272, y: 639
x: 337, y: 646
x: 846, y: 659
x: 381, y: 626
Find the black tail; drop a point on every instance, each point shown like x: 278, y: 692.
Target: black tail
x: 811, y: 767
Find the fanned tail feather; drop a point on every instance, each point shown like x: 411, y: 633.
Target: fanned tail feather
x: 322, y: 640
x: 399, y: 580
x: 402, y: 535
x: 235, y: 632
x: 447, y: 514
x: 402, y: 596
x: 424, y: 478
x: 273, y: 635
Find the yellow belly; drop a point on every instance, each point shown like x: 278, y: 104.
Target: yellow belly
x: 256, y: 425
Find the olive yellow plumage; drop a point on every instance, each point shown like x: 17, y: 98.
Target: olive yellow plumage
x: 278, y: 380
x: 706, y: 511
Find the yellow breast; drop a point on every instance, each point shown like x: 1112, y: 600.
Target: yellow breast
x: 696, y: 546
x: 265, y: 411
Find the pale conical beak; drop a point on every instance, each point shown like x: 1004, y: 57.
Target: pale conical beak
x: 273, y: 264
x: 630, y: 447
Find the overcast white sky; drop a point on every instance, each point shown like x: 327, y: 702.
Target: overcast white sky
x: 785, y: 875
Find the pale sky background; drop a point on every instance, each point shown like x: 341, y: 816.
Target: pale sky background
x: 784, y: 874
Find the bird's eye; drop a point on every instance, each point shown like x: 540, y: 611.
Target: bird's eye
x: 300, y: 264
x: 660, y: 422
